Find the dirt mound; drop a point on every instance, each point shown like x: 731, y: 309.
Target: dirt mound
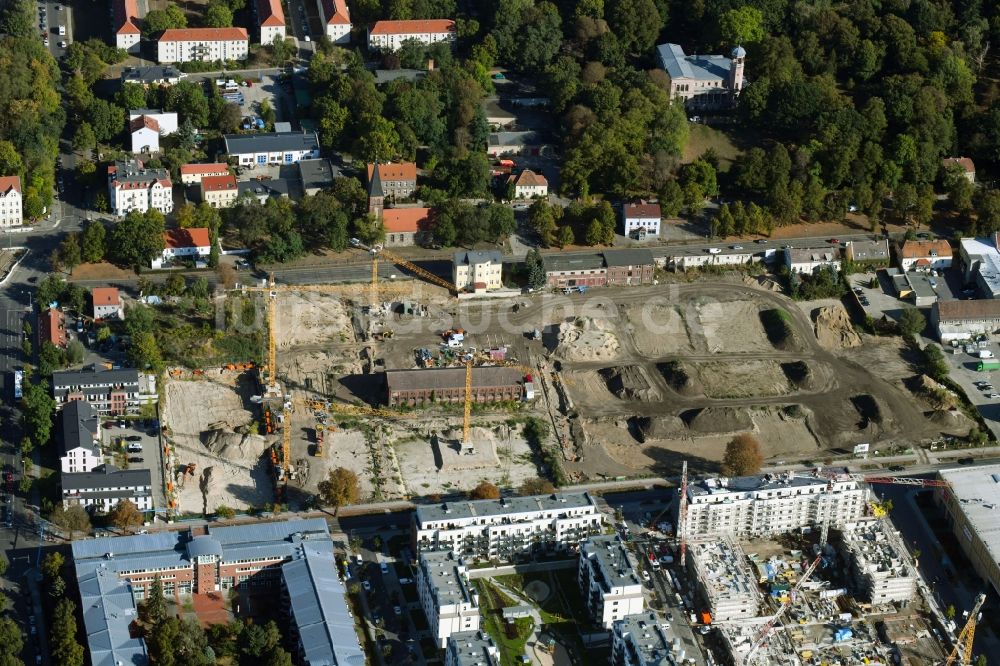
x: 239, y: 448
x: 936, y: 394
x: 834, y: 329
x: 647, y: 428
x: 680, y: 378
x: 799, y: 374
x: 868, y: 409
x: 628, y: 383
x: 586, y: 339
x: 777, y: 325
x: 763, y: 282
x: 952, y: 421
x: 718, y: 419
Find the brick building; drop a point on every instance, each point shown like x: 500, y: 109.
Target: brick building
x: 628, y: 267
x: 52, y: 327
x: 492, y: 384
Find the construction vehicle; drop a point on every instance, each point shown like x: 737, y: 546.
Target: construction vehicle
x: 962, y: 652
x: 318, y: 451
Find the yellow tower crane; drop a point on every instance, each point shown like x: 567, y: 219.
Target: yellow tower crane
x: 962, y: 652
x: 272, y: 345
x: 377, y: 250
x: 466, y: 440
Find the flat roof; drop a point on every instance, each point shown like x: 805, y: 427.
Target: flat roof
x: 578, y: 261
x: 273, y: 142
x: 451, y: 378
x: 473, y: 648
x: 920, y: 283
x: 443, y: 569
x: 503, y: 506
x: 742, y: 484
x: 977, y: 490
x: 617, y: 568
x: 315, y: 173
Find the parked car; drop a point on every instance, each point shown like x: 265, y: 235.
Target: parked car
x: 896, y: 468
x: 134, y: 438
x: 368, y: 586
x: 384, y: 567
x: 135, y: 459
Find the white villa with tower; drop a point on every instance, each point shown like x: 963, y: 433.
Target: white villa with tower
x: 703, y: 81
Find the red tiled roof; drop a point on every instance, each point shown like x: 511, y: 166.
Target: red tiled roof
x: 986, y: 308
x: 105, y: 296
x: 336, y: 12
x: 53, y: 329
x: 192, y: 169
x: 398, y: 171
x: 8, y: 183
x: 965, y: 162
x: 642, y: 210
x: 270, y: 13
x: 181, y: 238
x: 413, y: 27
x: 126, y: 17
x: 218, y: 183
x: 203, y: 35
x: 144, y: 121
x: 913, y: 249
x: 404, y: 220
x: 530, y: 178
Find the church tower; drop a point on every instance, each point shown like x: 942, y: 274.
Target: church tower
x: 376, y: 196
x: 738, y: 58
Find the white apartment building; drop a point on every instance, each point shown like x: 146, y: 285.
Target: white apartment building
x: 725, y: 582
x: 881, y: 566
x: 336, y: 19
x: 608, y: 580
x: 529, y: 184
x: 195, y: 242
x: 109, y: 392
x: 641, y: 220
x: 219, y: 191
x: 476, y: 270
x: 126, y: 26
x: 106, y: 486
x: 471, y: 648
x: 925, y: 255
x: 270, y: 21
x: 80, y: 449
x: 131, y: 187
x: 261, y: 149
x: 643, y: 640
x: 193, y: 173
x: 11, y: 214
x: 390, y: 35
x: 448, y: 599
x: 807, y: 261
x: 510, y: 526
x: 203, y: 44
x: 750, y: 506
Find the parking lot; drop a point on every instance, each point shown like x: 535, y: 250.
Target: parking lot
x: 966, y: 374
x: 137, y: 445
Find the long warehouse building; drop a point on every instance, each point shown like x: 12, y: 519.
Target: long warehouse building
x: 972, y: 506
x: 489, y: 384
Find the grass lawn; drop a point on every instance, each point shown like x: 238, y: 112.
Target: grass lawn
x: 703, y: 137
x: 510, y: 641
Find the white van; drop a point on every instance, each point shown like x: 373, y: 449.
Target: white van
x: 134, y: 447
x: 62, y: 31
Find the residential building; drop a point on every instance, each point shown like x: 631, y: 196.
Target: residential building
x: 749, y: 506
x: 964, y: 164
x: 80, y: 438
x: 963, y: 320
x: 682, y: 258
x: 262, y: 190
x: 336, y: 18
x: 52, y: 327
x: 641, y: 220
x: 270, y: 21
x: 11, y: 214
x: 471, y: 648
x: 489, y: 384
x: 703, y: 81
x: 109, y: 392
x: 291, y: 557
x: 145, y: 133
x: 166, y: 120
x: 868, y: 251
x: 925, y: 255
x: 405, y: 226
x: 193, y: 173
x: 879, y: 562
x: 724, y: 579
x: 105, y: 486
x: 513, y: 143
x: 528, y: 185
x: 107, y: 303
x: 497, y: 117
x: 578, y: 269
x: 272, y: 148
x: 626, y: 268
x: 644, y: 640
x: 316, y: 176
x: 395, y: 180
x: 155, y: 75
x: 609, y: 582
x: 194, y: 242
x: 390, y: 35
x: 449, y: 600
x: 219, y: 191
x: 126, y: 25
x: 134, y: 188
x: 970, y: 507
x: 980, y: 259
x: 806, y: 261
x: 477, y: 270
x: 320, y: 622
x: 202, y: 44
x: 506, y: 528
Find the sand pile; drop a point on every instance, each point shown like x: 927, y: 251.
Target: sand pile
x: 939, y: 397
x: 239, y: 448
x: 763, y: 282
x: 648, y: 428
x: 834, y: 329
x: 952, y: 421
x: 718, y: 419
x: 586, y: 339
x: 628, y: 383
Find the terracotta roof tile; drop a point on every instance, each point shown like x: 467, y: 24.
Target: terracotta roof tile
x: 529, y: 178
x: 180, y: 238
x: 215, y: 167
x: 203, y: 35
x: 404, y: 220
x: 413, y: 27
x: 397, y: 171
x: 8, y: 183
x: 105, y: 296
x: 914, y: 249
x: 642, y: 210
x: 126, y: 17
x: 336, y: 12
x: 270, y: 13
x: 144, y: 121
x: 965, y: 162
x: 218, y: 183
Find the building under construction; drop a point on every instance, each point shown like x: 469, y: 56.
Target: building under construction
x: 489, y: 384
x: 726, y: 584
x: 881, y: 568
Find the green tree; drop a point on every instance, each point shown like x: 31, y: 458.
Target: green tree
x: 536, y: 270
x: 229, y: 118
x: 144, y: 352
x: 154, y: 607
x: 63, y: 644
x: 636, y: 23
x: 485, y: 490
x: 37, y: 408
x: 566, y: 236
x: 744, y: 25
x: 11, y: 639
x: 595, y: 232
x: 132, y: 96
x: 950, y: 612
x: 743, y: 456
x: 125, y: 515
x: 69, y: 251
x: 223, y: 511
x: 137, y: 239
x: 282, y: 50
x: 158, y: 20
x: 912, y: 322
x: 501, y: 221
x: 527, y: 35
x: 340, y: 488
x: 18, y: 19
x: 74, y: 519
x: 537, y: 486
x: 542, y: 217
x: 75, y: 352
x: 106, y: 119
x: 84, y: 138
x: 52, y: 565
x: 218, y: 15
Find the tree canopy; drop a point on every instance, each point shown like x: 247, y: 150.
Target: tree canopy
x: 340, y: 488
x: 743, y: 456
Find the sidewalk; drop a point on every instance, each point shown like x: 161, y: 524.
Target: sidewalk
x: 41, y: 641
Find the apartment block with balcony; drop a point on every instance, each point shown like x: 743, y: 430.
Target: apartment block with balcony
x: 79, y: 438
x: 471, y: 648
x: 449, y: 600
x: 644, y: 640
x: 508, y: 528
x: 103, y: 487
x: 879, y: 562
x: 109, y: 392
x: 749, y: 506
x: 725, y: 582
x: 609, y: 581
